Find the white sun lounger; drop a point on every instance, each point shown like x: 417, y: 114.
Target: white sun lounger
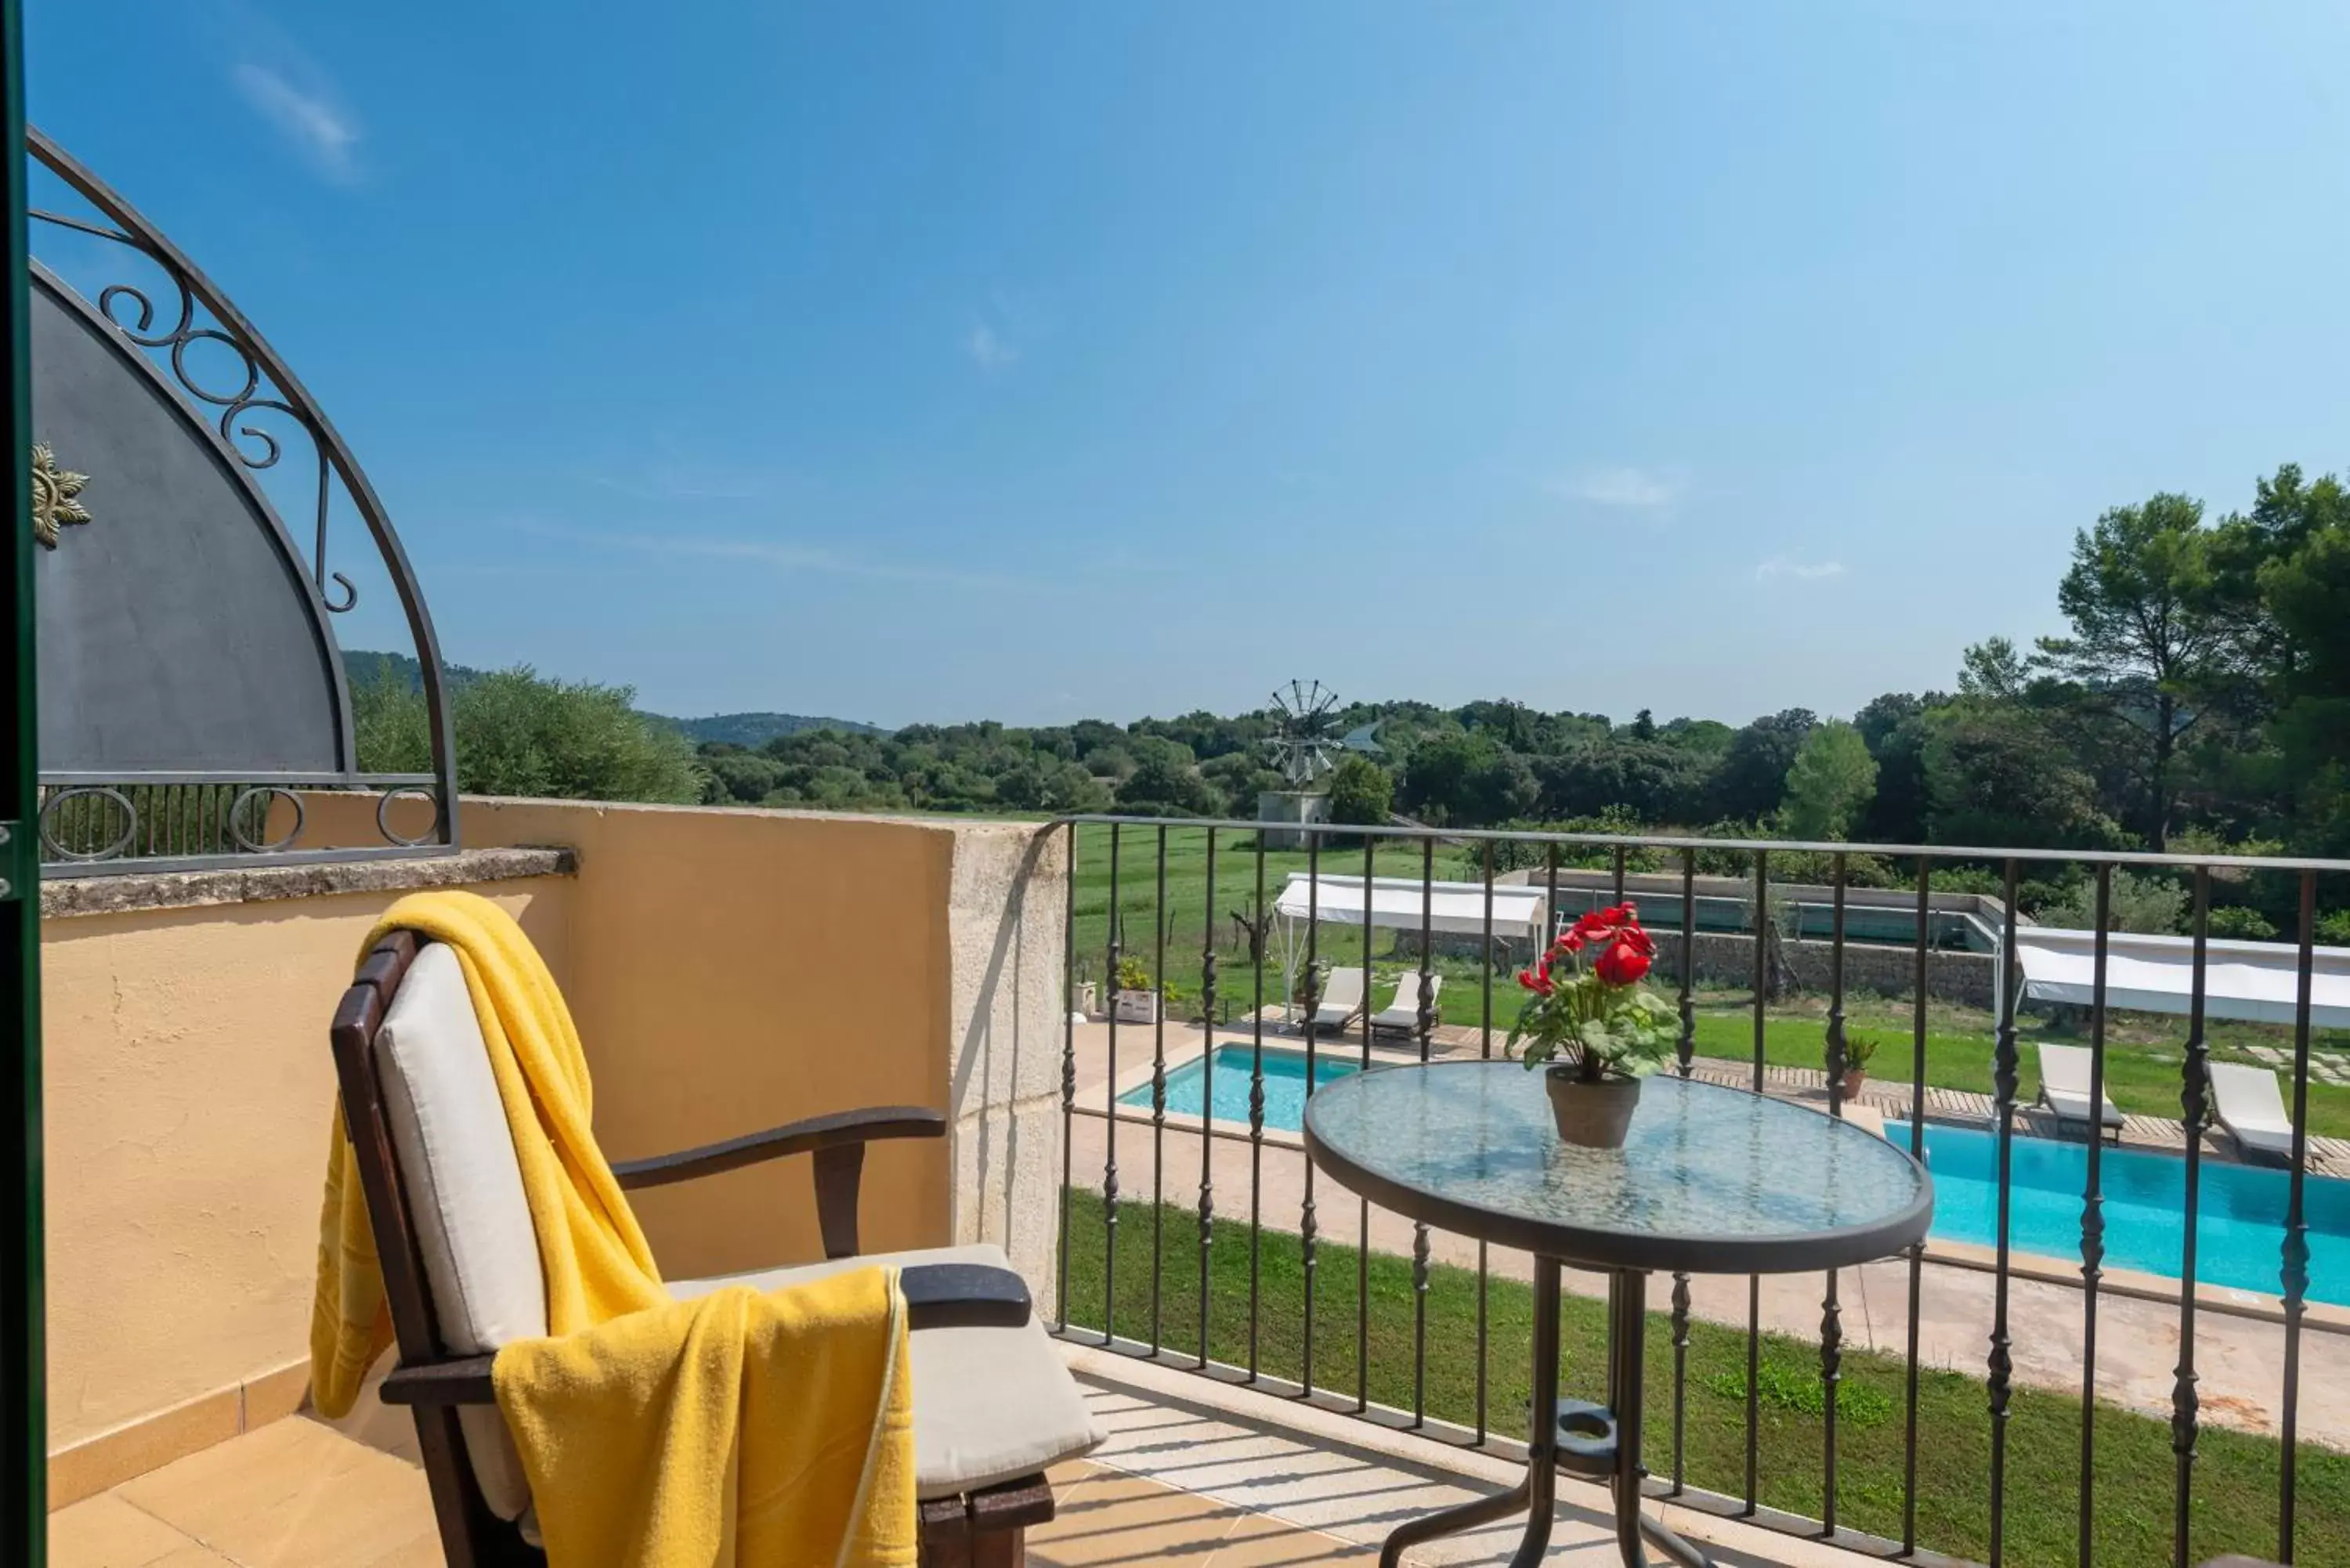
x: 2253, y: 1110
x: 1403, y: 1012
x: 2064, y: 1089
x: 1341, y: 998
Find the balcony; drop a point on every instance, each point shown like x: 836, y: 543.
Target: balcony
x: 733, y: 969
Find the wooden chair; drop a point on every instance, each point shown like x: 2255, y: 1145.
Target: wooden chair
x: 994, y: 1405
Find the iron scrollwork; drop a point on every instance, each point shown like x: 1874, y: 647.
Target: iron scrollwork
x: 233, y: 379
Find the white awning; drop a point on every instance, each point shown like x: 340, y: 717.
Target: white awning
x: 1453, y: 908
x: 2255, y: 982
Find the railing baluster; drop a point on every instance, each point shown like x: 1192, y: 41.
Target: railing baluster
x: 1363, y: 1232
x: 1754, y: 1282
x: 1485, y: 1052
x: 1307, y: 1228
x: 1109, y: 1124
x: 1684, y: 1057
x: 2194, y: 1106
x: 1423, y: 1025
x: 1917, y: 1250
x: 1069, y: 1058
x: 2295, y: 1271
x: 1831, y: 1306
x: 1159, y: 1103
x: 2005, y: 1079
x: 1256, y: 1117
x: 1206, y: 1097
x: 2093, y: 1209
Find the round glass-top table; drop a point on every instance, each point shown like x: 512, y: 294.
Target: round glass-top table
x: 1709, y: 1181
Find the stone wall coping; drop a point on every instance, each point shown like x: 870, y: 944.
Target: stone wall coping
x: 124, y: 892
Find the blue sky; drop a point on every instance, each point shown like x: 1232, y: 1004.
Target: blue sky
x: 1039, y: 361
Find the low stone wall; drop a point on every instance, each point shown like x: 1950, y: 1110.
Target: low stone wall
x: 1726, y: 958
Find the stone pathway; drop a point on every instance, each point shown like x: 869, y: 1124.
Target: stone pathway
x: 2324, y: 1067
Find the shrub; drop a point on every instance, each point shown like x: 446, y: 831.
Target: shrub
x: 2147, y: 904
x: 2235, y: 920
x: 519, y: 734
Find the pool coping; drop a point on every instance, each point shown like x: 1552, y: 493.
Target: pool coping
x: 1197, y: 1044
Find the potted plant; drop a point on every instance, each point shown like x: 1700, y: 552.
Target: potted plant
x: 1857, y: 1050
x: 1594, y: 1025
x: 1137, y: 1000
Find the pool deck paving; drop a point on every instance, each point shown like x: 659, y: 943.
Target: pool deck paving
x: 2240, y: 1335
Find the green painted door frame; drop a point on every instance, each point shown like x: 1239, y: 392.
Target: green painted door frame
x: 24, y: 1419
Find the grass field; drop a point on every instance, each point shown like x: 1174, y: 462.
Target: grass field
x: 2235, y: 1488
x: 2143, y: 1060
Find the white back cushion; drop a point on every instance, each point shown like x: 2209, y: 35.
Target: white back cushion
x: 465, y: 1193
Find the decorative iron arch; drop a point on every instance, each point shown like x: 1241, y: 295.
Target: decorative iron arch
x: 192, y: 686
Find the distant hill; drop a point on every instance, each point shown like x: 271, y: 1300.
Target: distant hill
x: 365, y: 668
x: 753, y: 730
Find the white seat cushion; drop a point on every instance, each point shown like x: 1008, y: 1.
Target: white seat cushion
x: 991, y: 1405
x: 464, y: 1194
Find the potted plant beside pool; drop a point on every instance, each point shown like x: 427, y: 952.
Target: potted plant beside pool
x: 1593, y: 1026
x: 1137, y: 1000
x: 1857, y: 1050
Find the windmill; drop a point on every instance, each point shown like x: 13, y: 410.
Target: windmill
x: 1306, y: 733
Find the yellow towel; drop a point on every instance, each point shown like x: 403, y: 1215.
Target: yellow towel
x: 738, y: 1427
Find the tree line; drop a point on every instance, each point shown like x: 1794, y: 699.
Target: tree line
x: 2199, y: 700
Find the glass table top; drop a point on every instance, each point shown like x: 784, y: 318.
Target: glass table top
x: 1710, y: 1179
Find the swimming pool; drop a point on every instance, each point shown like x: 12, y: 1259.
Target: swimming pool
x: 1284, y: 1085
x: 2238, y: 1236
x: 2239, y: 1232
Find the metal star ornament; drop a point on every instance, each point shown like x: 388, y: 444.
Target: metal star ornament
x: 54, y: 490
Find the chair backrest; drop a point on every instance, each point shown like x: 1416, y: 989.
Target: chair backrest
x: 2065, y: 1069
x: 1344, y: 987
x: 2249, y: 1094
x: 474, y: 1283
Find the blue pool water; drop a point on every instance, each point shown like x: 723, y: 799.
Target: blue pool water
x: 2240, y: 1235
x: 2238, y: 1238
x: 1284, y: 1085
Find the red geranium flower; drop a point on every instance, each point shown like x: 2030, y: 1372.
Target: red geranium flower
x: 1621, y: 964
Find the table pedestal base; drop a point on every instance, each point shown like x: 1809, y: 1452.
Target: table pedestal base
x: 1603, y: 1444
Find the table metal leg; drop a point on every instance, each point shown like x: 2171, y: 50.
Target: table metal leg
x: 1628, y: 1376
x: 1537, y: 1494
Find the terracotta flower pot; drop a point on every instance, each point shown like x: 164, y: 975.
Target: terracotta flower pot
x: 1592, y: 1114
x: 1853, y: 1078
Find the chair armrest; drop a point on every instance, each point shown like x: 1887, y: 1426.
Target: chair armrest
x: 466, y: 1381
x: 962, y: 1296
x: 840, y: 1129
x: 938, y: 1295
x: 837, y: 1141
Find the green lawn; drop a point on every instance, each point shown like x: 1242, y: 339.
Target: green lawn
x: 2235, y: 1489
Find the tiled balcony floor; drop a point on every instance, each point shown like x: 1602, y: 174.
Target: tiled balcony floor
x: 1246, y: 1482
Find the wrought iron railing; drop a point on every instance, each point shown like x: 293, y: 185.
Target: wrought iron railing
x: 1283, y: 1356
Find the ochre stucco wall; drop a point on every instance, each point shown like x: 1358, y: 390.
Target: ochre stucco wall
x: 188, y: 1092
x: 728, y: 970
x: 731, y: 970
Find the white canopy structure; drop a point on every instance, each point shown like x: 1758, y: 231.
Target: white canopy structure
x: 2257, y: 982
x: 1454, y: 910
